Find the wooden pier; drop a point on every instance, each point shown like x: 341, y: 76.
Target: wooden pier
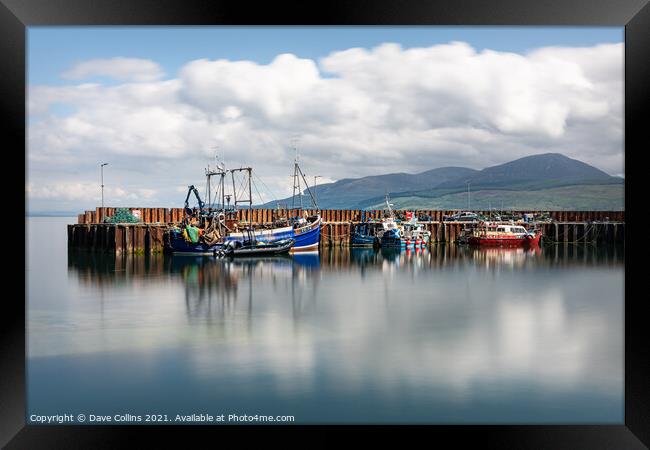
x: 567, y: 227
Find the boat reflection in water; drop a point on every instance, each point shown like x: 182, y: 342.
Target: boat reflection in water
x: 446, y: 334
x: 100, y: 268
x: 212, y: 285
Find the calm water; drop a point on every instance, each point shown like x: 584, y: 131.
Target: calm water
x: 448, y: 335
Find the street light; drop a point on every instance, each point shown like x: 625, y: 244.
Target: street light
x: 102, y: 169
x: 468, y: 201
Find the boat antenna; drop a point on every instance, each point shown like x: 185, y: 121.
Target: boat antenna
x: 388, y: 205
x: 209, y: 173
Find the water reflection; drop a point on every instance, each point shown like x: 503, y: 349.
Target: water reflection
x: 212, y: 287
x: 446, y: 334
x: 102, y: 268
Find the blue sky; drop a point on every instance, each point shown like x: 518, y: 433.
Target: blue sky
x: 154, y: 102
x: 52, y: 50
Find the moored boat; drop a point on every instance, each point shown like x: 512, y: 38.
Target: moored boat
x: 179, y: 245
x: 406, y: 234
x: 250, y: 248
x: 366, y: 234
x: 306, y: 228
x: 211, y: 230
x: 392, y: 232
x: 414, y: 233
x: 306, y: 233
x: 500, y: 234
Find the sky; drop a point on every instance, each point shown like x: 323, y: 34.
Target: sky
x: 158, y: 103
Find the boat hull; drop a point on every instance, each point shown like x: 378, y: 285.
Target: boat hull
x: 505, y: 241
x: 403, y: 243
x: 362, y: 240
x: 392, y: 241
x: 278, y: 248
x: 307, y: 237
x: 264, y: 235
x: 179, y: 246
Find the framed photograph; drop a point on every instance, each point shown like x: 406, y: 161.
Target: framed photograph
x: 350, y: 214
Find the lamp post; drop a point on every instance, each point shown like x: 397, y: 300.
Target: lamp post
x: 102, y: 169
x: 468, y: 200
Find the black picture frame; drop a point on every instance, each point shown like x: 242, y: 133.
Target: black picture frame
x: 634, y: 15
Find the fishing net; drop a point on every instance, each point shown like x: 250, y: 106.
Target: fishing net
x: 122, y: 215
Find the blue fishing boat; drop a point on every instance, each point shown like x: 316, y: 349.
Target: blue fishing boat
x: 392, y: 231
x: 407, y: 234
x: 304, y: 231
x: 366, y: 234
x: 305, y: 227
x: 213, y: 229
x: 392, y: 238
x: 178, y: 243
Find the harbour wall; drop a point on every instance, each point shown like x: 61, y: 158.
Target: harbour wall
x: 567, y: 227
x: 175, y: 215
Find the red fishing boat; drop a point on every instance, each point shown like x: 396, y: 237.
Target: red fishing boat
x: 499, y: 234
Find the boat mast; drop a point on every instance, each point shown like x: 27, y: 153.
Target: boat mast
x: 296, y: 181
x: 313, y: 199
x: 297, y: 188
x: 390, y: 210
x: 222, y: 174
x: 248, y: 200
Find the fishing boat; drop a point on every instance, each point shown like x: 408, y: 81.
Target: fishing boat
x: 179, y: 245
x: 306, y: 227
x: 407, y: 234
x: 249, y: 248
x: 366, y: 234
x: 217, y: 224
x: 501, y: 234
x: 392, y: 232
x: 414, y: 234
x: 204, y: 229
x: 303, y: 228
x: 306, y: 233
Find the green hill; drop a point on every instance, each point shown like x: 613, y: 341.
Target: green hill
x: 544, y: 181
x: 605, y: 197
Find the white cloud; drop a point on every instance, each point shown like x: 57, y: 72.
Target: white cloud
x: 133, y: 69
x: 357, y: 112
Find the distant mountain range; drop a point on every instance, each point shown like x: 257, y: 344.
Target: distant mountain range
x: 545, y: 181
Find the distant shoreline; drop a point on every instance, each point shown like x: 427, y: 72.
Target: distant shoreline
x: 51, y: 214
